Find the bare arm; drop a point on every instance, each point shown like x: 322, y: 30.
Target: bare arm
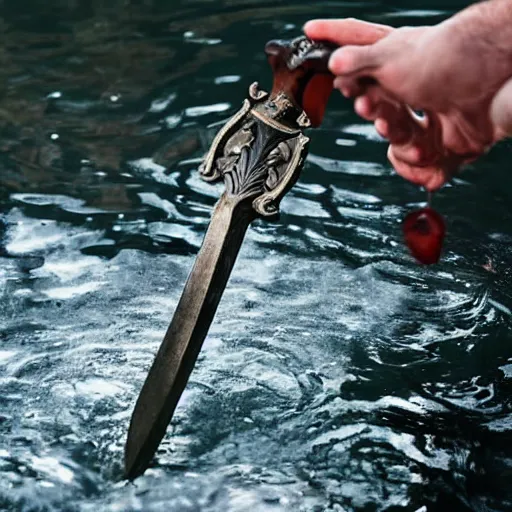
x: 456, y: 71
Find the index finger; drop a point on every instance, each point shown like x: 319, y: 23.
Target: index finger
x: 349, y: 31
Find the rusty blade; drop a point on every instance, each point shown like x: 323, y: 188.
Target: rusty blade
x: 180, y: 348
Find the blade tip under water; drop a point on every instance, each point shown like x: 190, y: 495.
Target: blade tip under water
x: 137, y: 455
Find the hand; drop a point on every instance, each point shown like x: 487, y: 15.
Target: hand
x: 446, y: 70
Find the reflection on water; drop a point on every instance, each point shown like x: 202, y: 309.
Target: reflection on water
x: 338, y: 375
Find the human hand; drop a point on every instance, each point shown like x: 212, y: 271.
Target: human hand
x: 446, y: 71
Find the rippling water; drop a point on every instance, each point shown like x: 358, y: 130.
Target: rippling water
x: 338, y: 376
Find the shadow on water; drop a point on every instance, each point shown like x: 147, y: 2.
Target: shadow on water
x: 338, y: 376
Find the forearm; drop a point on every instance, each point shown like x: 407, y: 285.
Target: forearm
x: 491, y: 22
x: 488, y: 24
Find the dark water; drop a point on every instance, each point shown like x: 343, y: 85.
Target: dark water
x: 339, y: 376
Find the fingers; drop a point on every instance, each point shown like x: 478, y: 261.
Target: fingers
x: 392, y: 124
x: 416, y: 142
x: 427, y: 167
x: 356, y: 38
x: 365, y: 108
x: 346, y: 31
x: 391, y: 118
x: 424, y: 146
x: 416, y: 151
x: 431, y: 178
x: 352, y: 87
x: 352, y: 60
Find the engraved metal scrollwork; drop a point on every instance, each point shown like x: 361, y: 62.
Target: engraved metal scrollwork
x: 257, y: 154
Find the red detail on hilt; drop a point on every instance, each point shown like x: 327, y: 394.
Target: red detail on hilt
x: 301, y: 72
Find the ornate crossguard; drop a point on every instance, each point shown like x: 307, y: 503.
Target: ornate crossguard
x: 259, y: 154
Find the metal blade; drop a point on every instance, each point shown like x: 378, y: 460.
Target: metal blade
x: 178, y: 353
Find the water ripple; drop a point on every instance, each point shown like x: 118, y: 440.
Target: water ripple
x: 338, y: 375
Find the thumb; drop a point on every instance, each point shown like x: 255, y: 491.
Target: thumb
x: 351, y: 60
x: 501, y: 111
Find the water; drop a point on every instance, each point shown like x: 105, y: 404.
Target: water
x: 338, y: 376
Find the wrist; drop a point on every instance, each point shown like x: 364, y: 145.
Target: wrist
x: 487, y: 24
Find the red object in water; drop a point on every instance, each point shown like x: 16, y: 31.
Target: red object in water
x: 424, y: 232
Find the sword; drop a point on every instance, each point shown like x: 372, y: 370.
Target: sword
x: 259, y: 153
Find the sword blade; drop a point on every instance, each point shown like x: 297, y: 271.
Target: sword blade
x: 182, y: 343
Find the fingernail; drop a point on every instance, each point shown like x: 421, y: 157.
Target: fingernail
x: 417, y: 154
x: 307, y: 26
x: 338, y: 84
x: 360, y: 106
x: 333, y: 61
x: 382, y: 127
x: 337, y: 61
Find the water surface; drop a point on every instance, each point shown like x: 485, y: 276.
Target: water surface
x: 338, y: 376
